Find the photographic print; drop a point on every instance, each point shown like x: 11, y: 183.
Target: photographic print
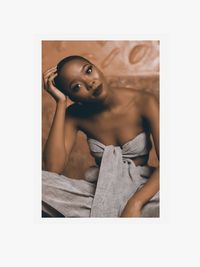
x: 100, y: 128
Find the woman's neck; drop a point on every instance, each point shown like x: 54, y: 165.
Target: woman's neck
x: 107, y: 104
x: 110, y: 101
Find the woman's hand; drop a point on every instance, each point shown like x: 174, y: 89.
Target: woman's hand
x: 131, y: 210
x: 48, y: 78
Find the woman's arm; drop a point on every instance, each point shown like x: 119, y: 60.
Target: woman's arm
x: 150, y: 111
x: 60, y: 141
x: 63, y: 130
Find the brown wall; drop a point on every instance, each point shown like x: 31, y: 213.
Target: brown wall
x: 132, y: 64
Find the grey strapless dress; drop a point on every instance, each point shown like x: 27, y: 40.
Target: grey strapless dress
x: 105, y: 190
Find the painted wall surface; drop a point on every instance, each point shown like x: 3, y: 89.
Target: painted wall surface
x: 133, y: 64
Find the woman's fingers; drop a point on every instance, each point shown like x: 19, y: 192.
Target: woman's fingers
x: 50, y: 70
x: 52, y: 76
x: 50, y: 80
x: 48, y: 76
x: 49, y: 85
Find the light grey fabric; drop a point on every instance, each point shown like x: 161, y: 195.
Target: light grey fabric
x: 104, y: 191
x: 66, y: 196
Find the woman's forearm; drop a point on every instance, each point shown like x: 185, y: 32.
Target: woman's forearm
x: 54, y: 151
x: 143, y: 195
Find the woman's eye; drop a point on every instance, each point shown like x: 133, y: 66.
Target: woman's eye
x: 89, y: 70
x: 76, y: 87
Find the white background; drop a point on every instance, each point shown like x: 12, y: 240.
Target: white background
x: 27, y: 240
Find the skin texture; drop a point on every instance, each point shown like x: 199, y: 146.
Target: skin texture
x: 114, y: 117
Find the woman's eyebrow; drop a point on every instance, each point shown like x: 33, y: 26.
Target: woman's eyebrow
x: 82, y: 69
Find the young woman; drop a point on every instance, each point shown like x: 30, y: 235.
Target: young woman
x: 118, y: 123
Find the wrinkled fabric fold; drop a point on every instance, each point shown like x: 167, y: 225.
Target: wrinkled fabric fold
x: 105, y: 190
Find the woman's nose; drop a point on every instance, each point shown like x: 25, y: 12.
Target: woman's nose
x: 91, y: 84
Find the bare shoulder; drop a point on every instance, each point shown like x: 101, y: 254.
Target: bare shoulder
x: 128, y: 94
x: 149, y: 105
x: 148, y: 99
x: 140, y: 98
x: 145, y: 102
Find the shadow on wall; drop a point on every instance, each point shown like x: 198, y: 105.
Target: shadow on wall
x: 133, y: 64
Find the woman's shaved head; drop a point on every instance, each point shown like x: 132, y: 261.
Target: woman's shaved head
x: 58, y: 79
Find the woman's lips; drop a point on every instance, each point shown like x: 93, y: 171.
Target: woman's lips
x: 97, y: 91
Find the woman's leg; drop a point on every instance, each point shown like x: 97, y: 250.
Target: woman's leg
x: 66, y: 197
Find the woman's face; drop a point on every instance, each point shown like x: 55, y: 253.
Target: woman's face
x: 83, y: 82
